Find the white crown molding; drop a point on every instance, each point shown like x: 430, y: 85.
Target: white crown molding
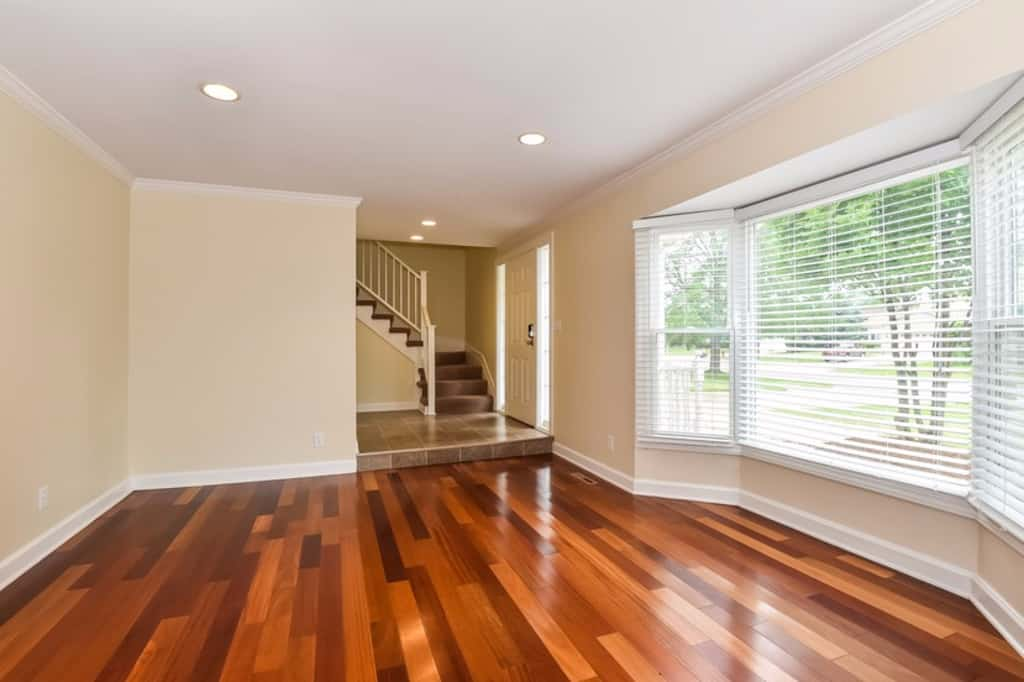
x: 27, y: 556
x: 914, y: 22
x: 34, y: 103
x: 188, y: 479
x: 157, y: 185
x: 690, y: 221
x: 1007, y: 101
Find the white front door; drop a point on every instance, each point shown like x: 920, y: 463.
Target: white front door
x: 521, y: 338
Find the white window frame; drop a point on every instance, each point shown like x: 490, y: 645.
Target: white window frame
x: 1010, y: 530
x: 855, y: 181
x: 499, y: 379
x: 545, y: 339
x: 700, y: 222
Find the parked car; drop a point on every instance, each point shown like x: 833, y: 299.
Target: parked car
x: 842, y: 352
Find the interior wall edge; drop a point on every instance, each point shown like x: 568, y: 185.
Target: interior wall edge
x: 1001, y: 613
x: 609, y: 474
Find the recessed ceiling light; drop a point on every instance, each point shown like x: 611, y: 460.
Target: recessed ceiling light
x: 532, y: 139
x: 428, y: 223
x: 416, y: 237
x: 219, y: 91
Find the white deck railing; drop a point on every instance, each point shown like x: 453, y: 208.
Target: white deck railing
x: 403, y: 291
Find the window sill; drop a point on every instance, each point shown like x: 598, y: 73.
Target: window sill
x: 949, y: 502
x: 952, y: 503
x: 691, y: 445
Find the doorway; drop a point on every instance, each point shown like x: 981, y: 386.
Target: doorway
x: 524, y: 337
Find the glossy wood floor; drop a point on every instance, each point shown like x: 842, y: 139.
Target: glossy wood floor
x: 495, y: 570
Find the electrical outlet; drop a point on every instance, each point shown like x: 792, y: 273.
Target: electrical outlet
x: 318, y: 439
x: 43, y: 498
x: 611, y: 443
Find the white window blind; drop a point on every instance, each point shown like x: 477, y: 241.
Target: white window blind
x: 683, y: 334
x: 998, y: 466
x: 856, y: 349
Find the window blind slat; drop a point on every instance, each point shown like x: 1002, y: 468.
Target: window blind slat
x: 998, y: 463
x: 857, y: 346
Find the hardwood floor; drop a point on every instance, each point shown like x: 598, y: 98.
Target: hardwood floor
x: 495, y: 570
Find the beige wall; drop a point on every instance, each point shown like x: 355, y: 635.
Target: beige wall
x: 939, y: 534
x: 695, y: 468
x: 242, y: 331
x: 64, y: 348
x: 593, y: 266
x: 446, y: 287
x: 384, y: 375
x: 999, y: 565
x: 593, y: 259
x: 481, y: 307
x: 594, y: 255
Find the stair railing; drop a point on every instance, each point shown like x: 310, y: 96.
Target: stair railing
x: 429, y: 351
x: 397, y: 286
x: 403, y: 291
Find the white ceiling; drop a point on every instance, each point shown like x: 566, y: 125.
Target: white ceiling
x: 941, y: 122
x: 415, y: 106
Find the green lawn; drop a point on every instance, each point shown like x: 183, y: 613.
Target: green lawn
x: 774, y: 384
x: 715, y: 383
x: 802, y: 356
x: 923, y: 369
x: 862, y: 415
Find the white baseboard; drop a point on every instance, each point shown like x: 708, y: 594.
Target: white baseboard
x: 388, y: 407
x: 929, y: 569
x: 28, y: 555
x: 187, y: 479
x: 613, y: 476
x: 921, y: 566
x: 694, y: 492
x: 1006, y: 619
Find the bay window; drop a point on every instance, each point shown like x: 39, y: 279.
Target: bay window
x: 858, y: 350
x: 877, y: 332
x: 998, y: 461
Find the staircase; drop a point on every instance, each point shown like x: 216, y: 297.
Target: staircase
x: 391, y: 299
x: 460, y: 387
x: 379, y: 311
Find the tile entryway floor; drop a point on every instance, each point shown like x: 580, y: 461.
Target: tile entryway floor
x: 408, y: 438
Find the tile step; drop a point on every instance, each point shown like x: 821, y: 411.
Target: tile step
x: 400, y: 459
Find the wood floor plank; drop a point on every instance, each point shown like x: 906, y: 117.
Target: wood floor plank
x: 629, y: 658
x: 156, y: 656
x: 506, y: 570
x: 419, y: 660
x: 865, y: 565
x: 569, y: 659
